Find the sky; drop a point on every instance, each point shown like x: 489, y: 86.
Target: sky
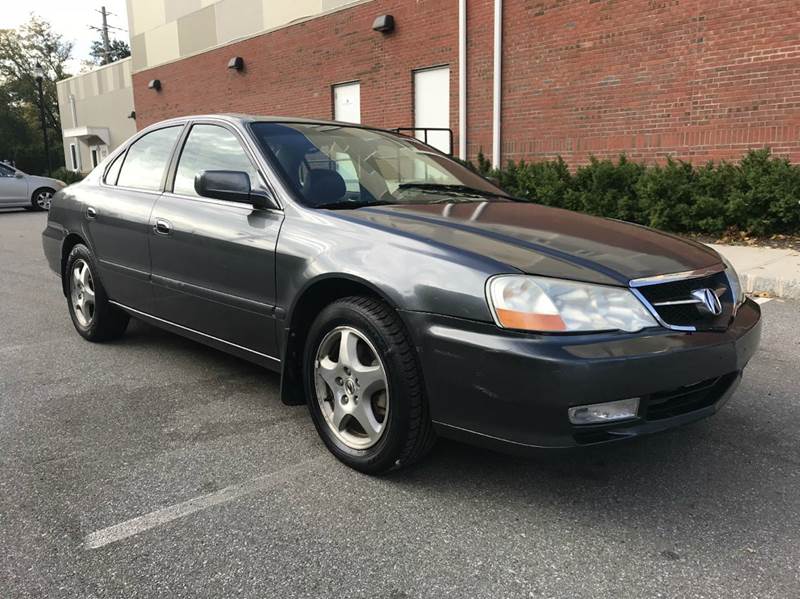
x: 70, y: 18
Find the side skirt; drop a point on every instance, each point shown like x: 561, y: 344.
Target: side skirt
x: 226, y: 346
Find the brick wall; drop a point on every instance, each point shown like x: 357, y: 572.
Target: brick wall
x: 290, y: 71
x: 696, y: 79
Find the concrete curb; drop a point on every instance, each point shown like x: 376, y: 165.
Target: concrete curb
x: 765, y: 271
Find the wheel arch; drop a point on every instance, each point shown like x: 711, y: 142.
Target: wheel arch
x: 316, y: 294
x: 70, y: 241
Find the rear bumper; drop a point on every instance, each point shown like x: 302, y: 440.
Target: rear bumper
x: 52, y: 241
x: 512, y: 391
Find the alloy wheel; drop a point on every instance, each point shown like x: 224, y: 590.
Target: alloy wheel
x: 43, y: 199
x: 82, y: 292
x: 351, y: 387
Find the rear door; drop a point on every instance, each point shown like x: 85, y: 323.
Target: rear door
x: 116, y: 214
x: 213, y: 261
x: 13, y: 190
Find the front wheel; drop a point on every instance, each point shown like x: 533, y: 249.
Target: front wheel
x: 364, y: 388
x: 41, y: 198
x: 94, y: 317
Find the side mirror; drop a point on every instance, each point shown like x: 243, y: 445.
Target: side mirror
x: 232, y: 186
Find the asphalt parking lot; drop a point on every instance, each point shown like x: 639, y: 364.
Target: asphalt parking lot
x: 155, y: 467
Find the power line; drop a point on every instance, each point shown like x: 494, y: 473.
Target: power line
x: 103, y: 29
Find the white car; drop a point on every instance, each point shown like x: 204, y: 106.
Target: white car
x: 18, y: 189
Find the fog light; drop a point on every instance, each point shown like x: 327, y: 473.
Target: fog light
x: 604, y: 412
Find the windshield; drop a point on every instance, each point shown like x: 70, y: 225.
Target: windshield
x: 334, y: 166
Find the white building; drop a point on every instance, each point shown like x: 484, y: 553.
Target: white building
x: 97, y: 113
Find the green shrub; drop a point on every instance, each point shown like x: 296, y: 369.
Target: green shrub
x: 604, y: 188
x: 766, y: 195
x: 67, y: 176
x: 668, y: 196
x: 759, y: 196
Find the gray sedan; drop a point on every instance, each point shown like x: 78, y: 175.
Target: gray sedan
x: 400, y: 295
x: 21, y: 190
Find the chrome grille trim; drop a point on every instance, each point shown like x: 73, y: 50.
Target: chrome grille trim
x: 678, y: 302
x: 636, y: 284
x: 677, y: 276
x: 654, y: 313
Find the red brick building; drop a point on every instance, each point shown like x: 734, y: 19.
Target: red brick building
x: 695, y: 79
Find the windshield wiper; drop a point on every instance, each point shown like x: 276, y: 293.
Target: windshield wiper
x: 453, y: 189
x: 353, y: 204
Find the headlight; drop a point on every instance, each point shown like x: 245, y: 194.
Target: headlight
x: 552, y: 305
x: 735, y: 284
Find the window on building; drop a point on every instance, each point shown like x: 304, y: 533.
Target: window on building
x: 147, y: 159
x: 211, y: 147
x: 95, y: 160
x: 73, y: 155
x: 432, y: 106
x: 347, y: 102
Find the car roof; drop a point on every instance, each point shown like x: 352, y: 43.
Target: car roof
x: 252, y: 118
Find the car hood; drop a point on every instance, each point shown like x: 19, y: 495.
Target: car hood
x: 37, y: 181
x: 541, y: 240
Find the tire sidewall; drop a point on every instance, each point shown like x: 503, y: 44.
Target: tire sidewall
x: 384, y: 453
x: 35, y: 204
x: 81, y: 252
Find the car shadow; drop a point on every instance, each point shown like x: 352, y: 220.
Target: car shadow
x: 705, y: 477
x: 717, y: 474
x: 141, y: 334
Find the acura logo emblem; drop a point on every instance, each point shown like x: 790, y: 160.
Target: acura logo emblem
x: 708, y: 300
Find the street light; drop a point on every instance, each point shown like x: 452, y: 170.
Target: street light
x: 38, y: 73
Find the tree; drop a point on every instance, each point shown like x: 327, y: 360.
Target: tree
x: 15, y: 132
x: 119, y: 49
x: 20, y: 50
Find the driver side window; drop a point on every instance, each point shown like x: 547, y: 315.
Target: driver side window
x: 211, y: 148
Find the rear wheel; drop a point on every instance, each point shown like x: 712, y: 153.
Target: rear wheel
x: 40, y: 200
x: 94, y: 317
x: 364, y: 387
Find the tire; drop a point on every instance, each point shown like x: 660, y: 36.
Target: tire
x: 406, y: 432
x: 94, y: 317
x: 40, y: 199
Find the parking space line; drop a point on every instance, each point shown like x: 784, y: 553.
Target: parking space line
x: 762, y: 300
x: 134, y: 526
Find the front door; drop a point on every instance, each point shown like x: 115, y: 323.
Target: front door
x: 117, y: 216
x: 213, y: 261
x: 13, y: 189
x: 432, y: 106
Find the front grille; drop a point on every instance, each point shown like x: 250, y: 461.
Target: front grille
x: 682, y: 400
x: 690, y: 315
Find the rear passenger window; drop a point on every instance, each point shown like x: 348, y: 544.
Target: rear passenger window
x: 211, y: 148
x: 147, y: 159
x: 113, y: 171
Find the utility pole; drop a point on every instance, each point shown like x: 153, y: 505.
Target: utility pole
x: 104, y: 31
x: 106, y: 40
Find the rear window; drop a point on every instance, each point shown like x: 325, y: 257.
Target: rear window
x: 147, y: 159
x: 113, y: 171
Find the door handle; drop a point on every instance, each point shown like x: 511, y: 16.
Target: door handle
x: 162, y: 227
x: 91, y: 213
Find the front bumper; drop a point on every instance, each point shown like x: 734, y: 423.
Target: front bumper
x: 512, y: 390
